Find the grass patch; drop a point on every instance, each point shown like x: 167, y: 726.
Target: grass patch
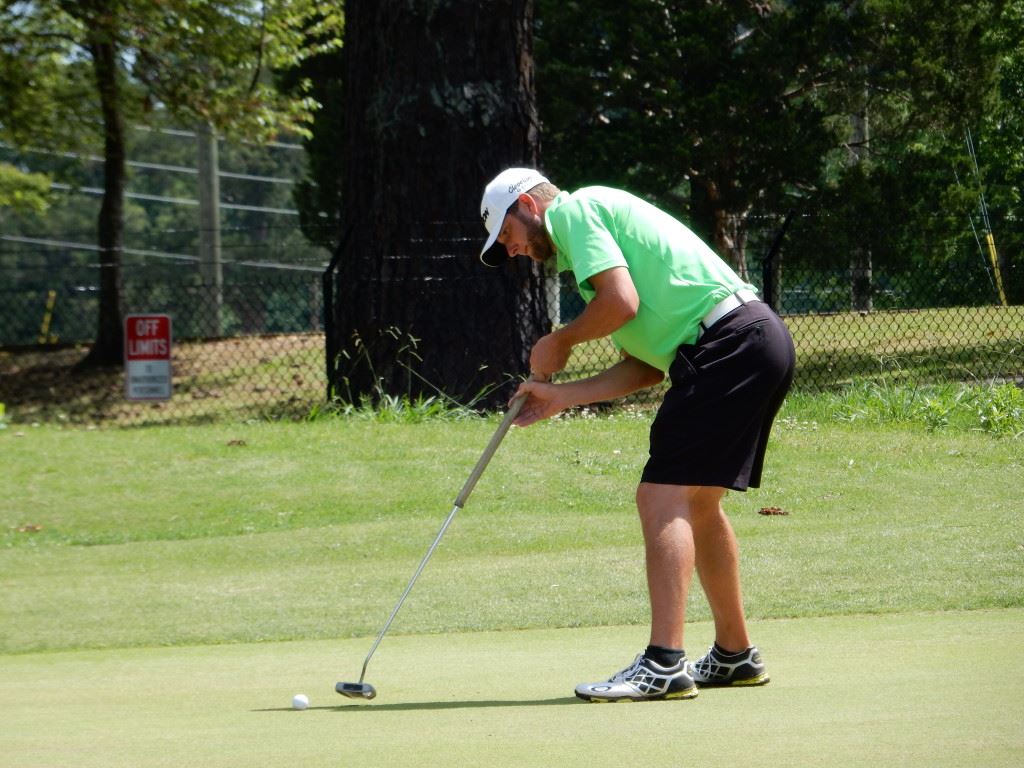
x: 997, y: 409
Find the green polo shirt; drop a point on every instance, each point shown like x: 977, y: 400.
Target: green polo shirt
x: 677, y: 277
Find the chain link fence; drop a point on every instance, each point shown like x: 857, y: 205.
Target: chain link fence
x: 253, y: 346
x: 909, y: 323
x: 865, y: 297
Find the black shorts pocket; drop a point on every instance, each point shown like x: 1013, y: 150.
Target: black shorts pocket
x: 683, y: 368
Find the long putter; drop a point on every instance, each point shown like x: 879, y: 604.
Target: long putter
x: 362, y: 690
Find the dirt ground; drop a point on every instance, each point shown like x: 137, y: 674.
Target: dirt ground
x: 255, y: 376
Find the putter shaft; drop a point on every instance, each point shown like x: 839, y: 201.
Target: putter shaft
x: 408, y: 589
x: 460, y: 501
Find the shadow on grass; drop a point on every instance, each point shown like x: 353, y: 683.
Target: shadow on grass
x: 414, y: 706
x: 928, y: 363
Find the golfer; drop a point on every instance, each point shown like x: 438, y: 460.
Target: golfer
x: 670, y: 305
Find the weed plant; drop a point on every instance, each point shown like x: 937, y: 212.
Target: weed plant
x: 996, y: 408
x: 394, y: 409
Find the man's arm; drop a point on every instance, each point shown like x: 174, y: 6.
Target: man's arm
x: 545, y: 400
x: 616, y: 303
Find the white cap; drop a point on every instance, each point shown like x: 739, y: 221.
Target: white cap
x: 498, y: 198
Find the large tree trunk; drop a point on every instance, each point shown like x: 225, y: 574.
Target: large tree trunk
x: 439, y: 99
x: 108, y: 349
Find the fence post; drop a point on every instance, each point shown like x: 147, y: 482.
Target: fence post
x: 330, y: 340
x: 210, y: 269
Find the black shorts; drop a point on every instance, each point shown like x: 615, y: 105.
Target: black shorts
x: 712, y: 427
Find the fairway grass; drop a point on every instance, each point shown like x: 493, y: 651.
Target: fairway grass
x: 933, y: 689
x: 185, y: 536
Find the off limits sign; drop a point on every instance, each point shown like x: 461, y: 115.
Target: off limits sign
x: 147, y: 357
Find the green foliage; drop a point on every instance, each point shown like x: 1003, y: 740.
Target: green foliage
x: 21, y: 191
x: 744, y: 109
x: 927, y: 67
x: 158, y: 282
x: 318, y: 195
x: 383, y: 408
x: 161, y: 226
x: 206, y: 63
x: 182, y: 61
x: 201, y: 61
x: 906, y: 197
x: 721, y: 97
x: 995, y: 408
x: 379, y: 405
x: 1001, y: 410
x: 740, y: 108
x: 911, y: 216
x: 46, y: 86
x: 997, y: 133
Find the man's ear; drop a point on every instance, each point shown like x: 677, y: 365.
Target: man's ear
x: 529, y: 203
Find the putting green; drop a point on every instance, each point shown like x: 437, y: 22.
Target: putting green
x: 889, y: 690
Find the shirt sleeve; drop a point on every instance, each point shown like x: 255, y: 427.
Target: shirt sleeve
x: 582, y: 232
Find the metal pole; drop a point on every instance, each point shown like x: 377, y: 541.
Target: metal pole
x: 210, y: 268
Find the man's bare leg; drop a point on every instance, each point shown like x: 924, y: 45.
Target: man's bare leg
x: 684, y: 527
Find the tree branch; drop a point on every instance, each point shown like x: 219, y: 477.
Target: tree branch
x: 259, y: 48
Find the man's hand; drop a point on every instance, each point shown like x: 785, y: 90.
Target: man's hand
x: 543, y: 400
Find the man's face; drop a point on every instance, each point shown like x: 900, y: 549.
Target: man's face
x: 523, y: 234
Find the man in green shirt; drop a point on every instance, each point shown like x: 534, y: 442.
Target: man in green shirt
x: 671, y: 305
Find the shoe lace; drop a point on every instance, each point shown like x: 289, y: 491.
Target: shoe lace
x: 629, y: 672
x: 707, y: 662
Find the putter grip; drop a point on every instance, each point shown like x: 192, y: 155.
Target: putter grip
x: 492, y: 446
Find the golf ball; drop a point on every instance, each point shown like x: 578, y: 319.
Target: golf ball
x: 300, y: 701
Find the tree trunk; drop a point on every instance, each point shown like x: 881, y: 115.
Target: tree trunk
x: 861, y: 272
x: 439, y: 98
x: 722, y: 229
x: 861, y: 280
x: 108, y: 348
x: 771, y: 267
x: 731, y: 240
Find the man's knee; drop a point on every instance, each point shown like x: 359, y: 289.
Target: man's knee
x: 655, y: 500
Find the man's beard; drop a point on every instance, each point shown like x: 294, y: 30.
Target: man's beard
x: 537, y: 238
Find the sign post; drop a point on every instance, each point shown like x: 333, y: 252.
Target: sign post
x: 147, y: 357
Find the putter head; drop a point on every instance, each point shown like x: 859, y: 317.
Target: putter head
x: 356, y: 690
